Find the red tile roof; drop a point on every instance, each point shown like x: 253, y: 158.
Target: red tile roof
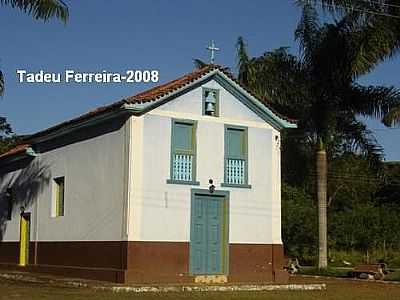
x: 16, y: 150
x: 152, y: 94
x: 171, y: 86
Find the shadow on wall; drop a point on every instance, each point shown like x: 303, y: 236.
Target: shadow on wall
x: 20, y: 185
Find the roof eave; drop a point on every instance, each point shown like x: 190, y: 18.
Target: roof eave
x: 43, y: 136
x: 28, y: 152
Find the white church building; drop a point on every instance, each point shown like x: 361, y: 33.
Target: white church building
x: 178, y: 184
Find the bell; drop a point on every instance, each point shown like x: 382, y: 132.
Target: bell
x: 210, y: 108
x: 211, y: 98
x: 210, y: 103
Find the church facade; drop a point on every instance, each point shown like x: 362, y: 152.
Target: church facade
x: 178, y: 184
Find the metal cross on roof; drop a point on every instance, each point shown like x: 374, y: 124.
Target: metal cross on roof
x: 212, y: 49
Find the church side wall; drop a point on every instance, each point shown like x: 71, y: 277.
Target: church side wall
x: 90, y: 232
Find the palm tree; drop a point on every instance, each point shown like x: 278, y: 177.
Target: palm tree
x: 379, y: 33
x: 319, y: 89
x: 40, y: 10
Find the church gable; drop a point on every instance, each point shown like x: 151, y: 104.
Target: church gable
x: 210, y: 99
x: 197, y: 87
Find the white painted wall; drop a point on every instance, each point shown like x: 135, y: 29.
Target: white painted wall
x: 99, y: 206
x: 161, y: 212
x: 94, y: 193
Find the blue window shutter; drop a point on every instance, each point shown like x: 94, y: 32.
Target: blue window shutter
x: 183, y: 137
x: 235, y: 143
x: 183, y: 151
x: 236, y: 156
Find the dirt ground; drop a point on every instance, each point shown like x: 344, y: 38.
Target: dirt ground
x: 337, y: 289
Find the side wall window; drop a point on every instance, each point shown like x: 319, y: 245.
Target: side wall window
x: 59, y: 184
x: 236, y: 156
x: 183, y: 151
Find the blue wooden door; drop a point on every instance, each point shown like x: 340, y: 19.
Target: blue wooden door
x: 208, y: 241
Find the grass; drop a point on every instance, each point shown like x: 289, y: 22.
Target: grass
x: 337, y: 289
x: 390, y: 256
x: 331, y: 272
x: 393, y: 276
x: 342, y: 273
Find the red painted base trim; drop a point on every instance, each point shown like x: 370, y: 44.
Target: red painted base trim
x: 169, y: 262
x: 142, y: 262
x: 9, y: 252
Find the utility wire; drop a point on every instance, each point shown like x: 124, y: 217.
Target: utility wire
x: 382, y: 129
x: 356, y: 179
x: 351, y: 8
x: 380, y: 3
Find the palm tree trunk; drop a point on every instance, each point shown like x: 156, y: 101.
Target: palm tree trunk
x: 322, y: 169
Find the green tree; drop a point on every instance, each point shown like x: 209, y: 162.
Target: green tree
x: 352, y: 181
x: 378, y: 26
x: 40, y: 10
x: 389, y: 193
x: 7, y: 139
x: 356, y: 229
x: 319, y: 89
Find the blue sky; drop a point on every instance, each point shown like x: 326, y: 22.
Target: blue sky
x: 162, y: 35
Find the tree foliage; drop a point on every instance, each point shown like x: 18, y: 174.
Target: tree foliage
x: 198, y: 63
x: 319, y: 88
x: 364, y: 206
x: 299, y: 219
x: 41, y: 9
x: 377, y: 25
x: 7, y: 138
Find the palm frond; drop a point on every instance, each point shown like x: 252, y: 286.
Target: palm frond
x: 392, y: 118
x: 372, y: 101
x: 378, y: 36
x: 198, y: 63
x: 357, y: 138
x: 277, y: 77
x: 375, y: 42
x: 307, y: 30
x: 41, y: 9
x: 245, y: 68
x: 340, y: 7
x: 242, y: 55
x: 1, y: 83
